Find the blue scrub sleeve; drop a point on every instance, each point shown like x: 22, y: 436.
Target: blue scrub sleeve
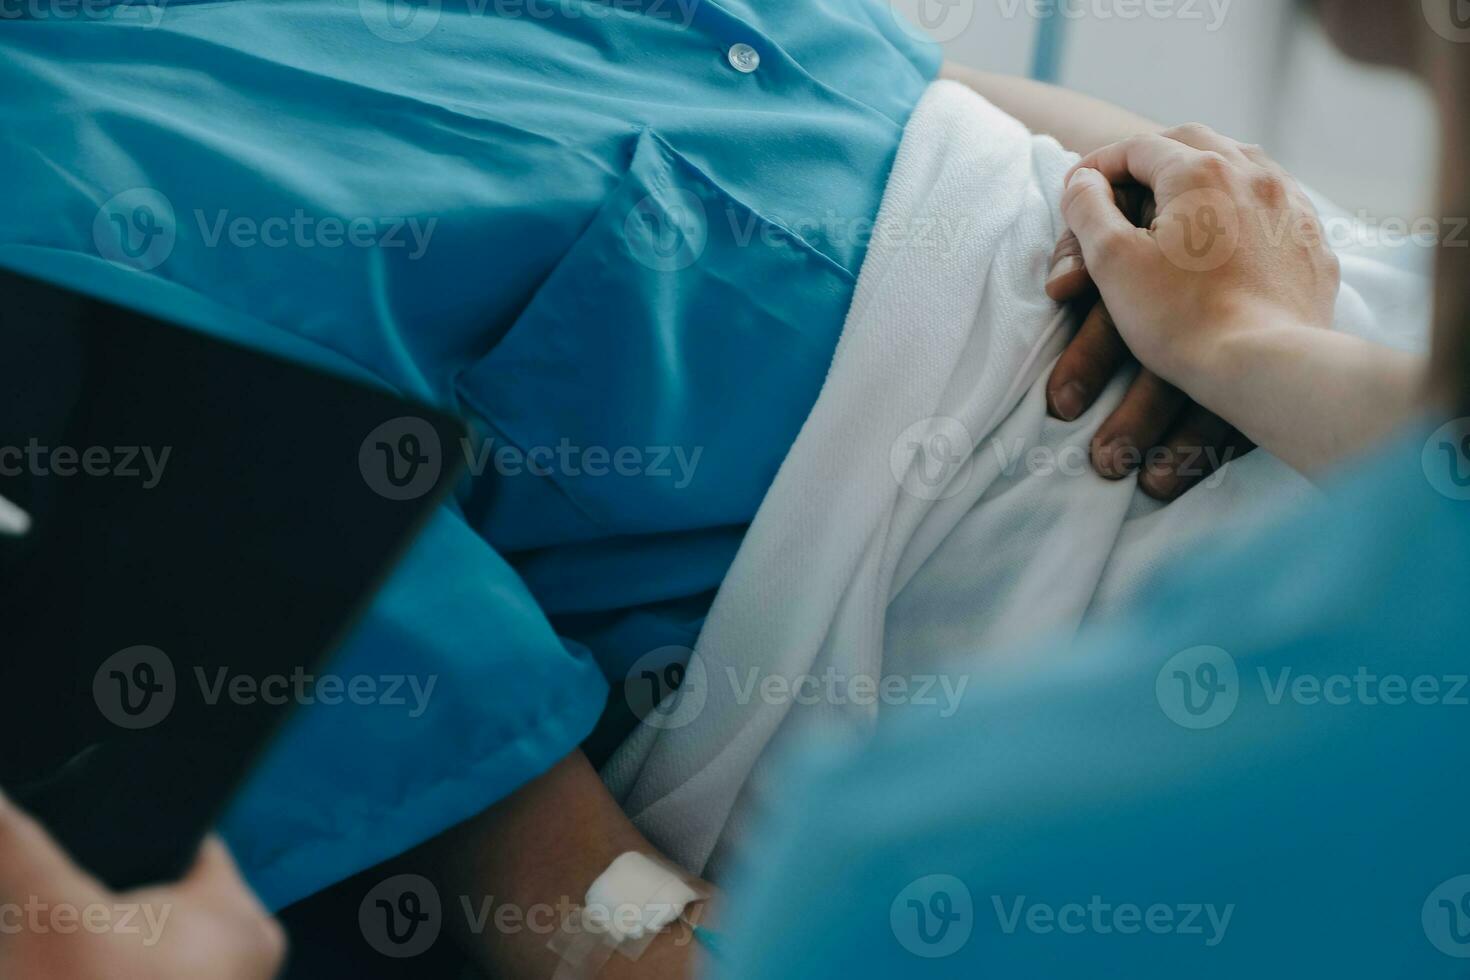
x: 490, y: 699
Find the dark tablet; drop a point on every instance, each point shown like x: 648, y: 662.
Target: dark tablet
x: 204, y: 525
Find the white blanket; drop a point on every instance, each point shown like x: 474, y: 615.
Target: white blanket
x: 930, y: 511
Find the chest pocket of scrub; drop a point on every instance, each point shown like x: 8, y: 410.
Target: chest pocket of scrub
x: 659, y: 375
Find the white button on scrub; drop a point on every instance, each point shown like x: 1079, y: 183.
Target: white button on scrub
x: 744, y: 58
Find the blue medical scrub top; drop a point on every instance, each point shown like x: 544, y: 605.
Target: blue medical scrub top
x: 1260, y: 773
x: 619, y: 235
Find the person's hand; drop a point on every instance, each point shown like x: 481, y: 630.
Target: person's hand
x: 1236, y: 247
x: 1157, y: 430
x: 57, y: 923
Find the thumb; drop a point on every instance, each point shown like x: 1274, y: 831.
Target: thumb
x: 1091, y: 211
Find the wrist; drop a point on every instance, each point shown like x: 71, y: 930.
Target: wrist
x: 1220, y: 367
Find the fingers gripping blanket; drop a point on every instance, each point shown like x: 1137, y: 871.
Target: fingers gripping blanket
x: 929, y: 512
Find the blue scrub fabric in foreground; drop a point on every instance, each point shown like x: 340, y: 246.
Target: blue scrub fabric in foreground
x: 620, y: 236
x: 1259, y: 774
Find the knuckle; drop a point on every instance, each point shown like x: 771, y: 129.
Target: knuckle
x: 1070, y: 196
x: 1271, y: 189
x: 1191, y: 132
x: 1332, y: 265
x: 1109, y: 249
x: 1136, y: 144
x: 1213, y: 168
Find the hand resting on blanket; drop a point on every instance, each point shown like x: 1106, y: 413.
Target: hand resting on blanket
x: 1158, y: 431
x: 1229, y: 294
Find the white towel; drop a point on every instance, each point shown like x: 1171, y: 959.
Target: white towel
x: 929, y: 510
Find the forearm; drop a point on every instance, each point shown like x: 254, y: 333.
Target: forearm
x: 537, y: 852
x: 1309, y: 396
x: 1078, y: 122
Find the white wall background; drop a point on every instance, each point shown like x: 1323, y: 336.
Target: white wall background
x: 1253, y: 69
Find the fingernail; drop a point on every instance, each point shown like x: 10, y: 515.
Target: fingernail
x: 1065, y: 267
x: 1161, y: 486
x: 1070, y: 401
